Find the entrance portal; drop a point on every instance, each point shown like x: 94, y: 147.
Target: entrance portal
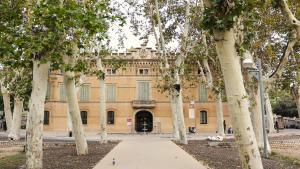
x: 143, y: 121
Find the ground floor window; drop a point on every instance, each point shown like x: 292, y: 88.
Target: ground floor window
x: 110, y: 117
x: 83, y: 117
x: 46, y: 117
x: 203, y: 117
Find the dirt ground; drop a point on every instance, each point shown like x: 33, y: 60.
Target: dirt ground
x: 226, y: 156
x: 62, y: 155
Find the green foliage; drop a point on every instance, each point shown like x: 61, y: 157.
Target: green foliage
x: 48, y: 30
x: 222, y: 14
x: 285, y: 107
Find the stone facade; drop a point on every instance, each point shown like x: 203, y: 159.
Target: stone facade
x: 124, y: 99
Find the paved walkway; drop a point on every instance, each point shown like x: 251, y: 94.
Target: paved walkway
x: 148, y: 153
x: 94, y: 136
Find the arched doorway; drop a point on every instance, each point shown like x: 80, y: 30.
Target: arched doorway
x: 143, y: 121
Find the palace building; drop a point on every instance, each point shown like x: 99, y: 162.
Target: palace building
x: 134, y: 102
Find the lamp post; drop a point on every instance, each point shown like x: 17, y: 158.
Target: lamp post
x: 257, y: 73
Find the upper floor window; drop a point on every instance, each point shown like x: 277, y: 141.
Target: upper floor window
x: 203, y: 117
x: 46, y: 117
x: 110, y: 71
x: 110, y: 117
x: 143, y: 90
x: 143, y: 71
x: 84, y: 93
x: 202, y: 93
x: 48, y: 91
x: 62, y: 92
x: 84, y: 115
x: 110, y: 92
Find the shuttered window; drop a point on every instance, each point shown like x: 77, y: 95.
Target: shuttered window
x: 62, y: 91
x: 143, y: 90
x: 203, y: 117
x: 202, y: 93
x: 84, y: 115
x: 48, y: 92
x: 110, y: 92
x: 46, y: 117
x: 84, y: 92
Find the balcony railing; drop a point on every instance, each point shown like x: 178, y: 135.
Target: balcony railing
x: 143, y: 103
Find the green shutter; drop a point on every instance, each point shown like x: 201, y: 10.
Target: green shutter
x: 143, y: 91
x: 202, y: 93
x: 48, y: 91
x: 62, y: 92
x: 84, y: 93
x: 110, y: 92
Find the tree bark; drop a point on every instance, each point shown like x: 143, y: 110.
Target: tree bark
x: 256, y: 118
x: 103, y: 118
x: 219, y: 112
x: 69, y: 121
x: 14, y: 133
x: 7, y: 107
x: 178, y: 101
x: 298, y: 105
x: 174, y: 119
x: 270, y: 116
x: 296, y: 96
x: 81, y: 143
x: 34, y: 130
x: 237, y: 100
x: 102, y: 103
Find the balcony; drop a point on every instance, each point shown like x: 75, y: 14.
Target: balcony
x: 147, y: 104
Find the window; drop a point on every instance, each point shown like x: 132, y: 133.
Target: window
x: 83, y: 115
x: 143, y: 71
x: 46, y: 117
x: 48, y: 92
x: 62, y: 92
x: 110, y: 117
x: 202, y: 93
x: 203, y: 117
x: 84, y: 93
x: 111, y: 71
x: 110, y: 92
x: 144, y: 91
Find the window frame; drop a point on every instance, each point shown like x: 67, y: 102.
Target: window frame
x: 107, y: 93
x: 139, y: 96
x: 84, y: 122
x: 144, y: 71
x: 111, y: 71
x: 205, y: 120
x: 110, y: 117
x: 85, y: 97
x: 45, y: 117
x: 62, y: 92
x: 203, y: 92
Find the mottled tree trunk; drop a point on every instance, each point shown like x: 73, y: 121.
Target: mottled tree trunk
x: 269, y: 111
x: 103, y: 118
x: 81, y: 143
x: 296, y: 96
x: 237, y: 100
x: 176, y: 93
x: 35, y: 118
x: 219, y: 113
x: 7, y: 107
x: 14, y: 133
x: 102, y: 102
x: 256, y: 118
x: 174, y: 119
